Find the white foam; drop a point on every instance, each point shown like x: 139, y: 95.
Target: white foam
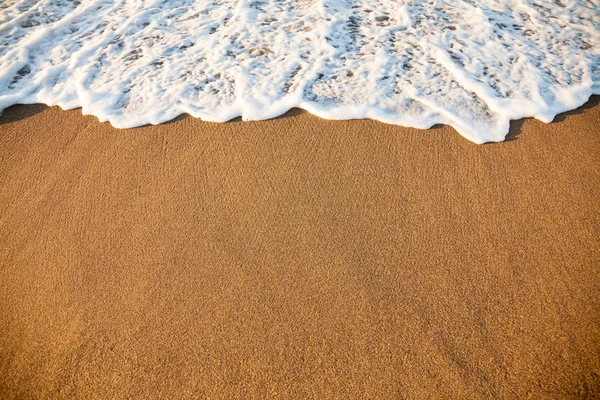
x: 471, y: 64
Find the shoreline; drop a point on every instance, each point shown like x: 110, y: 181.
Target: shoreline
x: 369, y: 114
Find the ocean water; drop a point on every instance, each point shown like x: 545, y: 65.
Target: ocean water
x: 472, y: 64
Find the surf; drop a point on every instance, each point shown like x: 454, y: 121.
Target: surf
x: 472, y: 65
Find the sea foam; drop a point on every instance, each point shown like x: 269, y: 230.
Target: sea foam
x: 471, y: 64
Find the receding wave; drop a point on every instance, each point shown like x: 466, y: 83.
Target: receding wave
x: 472, y: 64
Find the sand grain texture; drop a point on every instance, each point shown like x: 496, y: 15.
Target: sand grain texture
x: 297, y: 258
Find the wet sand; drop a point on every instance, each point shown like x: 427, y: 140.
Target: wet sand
x: 297, y: 258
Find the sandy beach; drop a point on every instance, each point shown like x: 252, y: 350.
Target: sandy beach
x: 297, y: 258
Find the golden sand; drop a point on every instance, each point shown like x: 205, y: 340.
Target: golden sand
x: 297, y: 258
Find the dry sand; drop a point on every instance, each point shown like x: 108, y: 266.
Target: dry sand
x: 297, y: 258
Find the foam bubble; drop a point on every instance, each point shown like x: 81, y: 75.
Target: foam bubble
x: 474, y: 65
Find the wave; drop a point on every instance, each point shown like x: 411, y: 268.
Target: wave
x: 474, y: 65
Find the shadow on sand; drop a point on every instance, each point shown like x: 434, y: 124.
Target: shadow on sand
x: 517, y: 125
x: 294, y: 112
x: 20, y: 112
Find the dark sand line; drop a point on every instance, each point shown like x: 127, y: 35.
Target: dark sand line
x: 297, y: 258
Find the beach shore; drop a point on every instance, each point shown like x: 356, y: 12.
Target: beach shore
x: 297, y: 258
